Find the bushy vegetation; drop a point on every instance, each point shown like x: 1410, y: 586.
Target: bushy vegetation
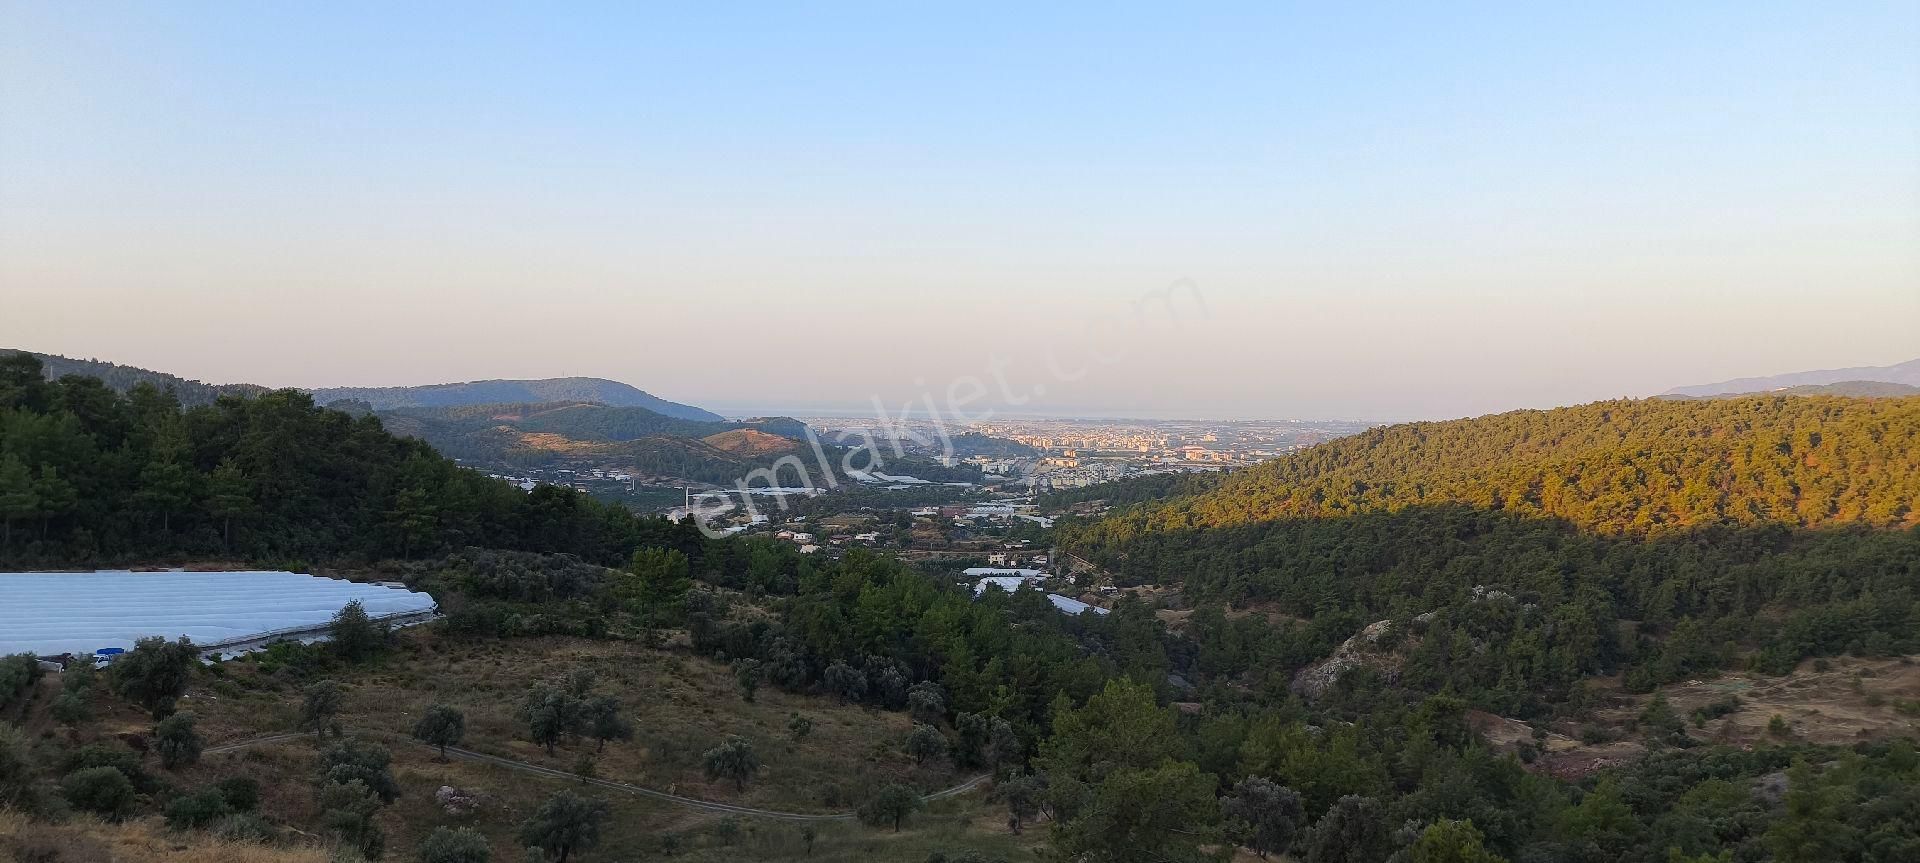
x: 18, y: 674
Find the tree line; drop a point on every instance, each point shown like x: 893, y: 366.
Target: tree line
x: 89, y: 476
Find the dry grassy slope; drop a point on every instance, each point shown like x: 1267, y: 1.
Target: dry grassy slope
x: 750, y: 443
x: 683, y: 705
x: 142, y: 841
x: 1853, y: 699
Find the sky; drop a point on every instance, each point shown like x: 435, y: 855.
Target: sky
x: 1244, y: 211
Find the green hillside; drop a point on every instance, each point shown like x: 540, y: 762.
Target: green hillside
x: 90, y: 476
x: 1658, y: 538
x: 1629, y: 467
x: 121, y: 378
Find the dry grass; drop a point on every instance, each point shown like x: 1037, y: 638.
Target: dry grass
x: 86, y: 840
x: 1851, y: 700
x: 750, y: 442
x: 1835, y: 701
x: 682, y: 705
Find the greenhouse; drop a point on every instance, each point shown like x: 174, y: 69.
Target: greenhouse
x: 51, y: 613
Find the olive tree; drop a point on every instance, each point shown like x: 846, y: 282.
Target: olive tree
x: 320, y: 707
x: 564, y: 824
x: 890, y: 805
x: 441, y: 726
x: 154, y: 674
x: 733, y: 760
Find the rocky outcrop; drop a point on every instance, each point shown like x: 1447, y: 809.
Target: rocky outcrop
x: 1363, y: 650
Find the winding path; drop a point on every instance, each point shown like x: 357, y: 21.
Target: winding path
x: 552, y: 773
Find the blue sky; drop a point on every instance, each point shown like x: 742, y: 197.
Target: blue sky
x: 1391, y: 212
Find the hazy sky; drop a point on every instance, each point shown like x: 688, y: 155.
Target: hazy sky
x: 1390, y: 212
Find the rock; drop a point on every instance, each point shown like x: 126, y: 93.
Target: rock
x: 1356, y: 652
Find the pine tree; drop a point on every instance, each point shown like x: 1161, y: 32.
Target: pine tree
x: 18, y: 498
x: 229, y: 496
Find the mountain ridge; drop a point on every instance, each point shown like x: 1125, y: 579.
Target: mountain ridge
x: 496, y: 391
x: 121, y: 378
x: 1907, y: 373
x: 493, y: 391
x: 1853, y: 389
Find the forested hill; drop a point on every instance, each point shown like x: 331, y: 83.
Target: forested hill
x: 1772, y: 528
x: 492, y: 392
x: 88, y: 476
x: 1624, y: 467
x: 590, y: 435
x: 121, y: 378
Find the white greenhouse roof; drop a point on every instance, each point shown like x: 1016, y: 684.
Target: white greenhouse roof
x: 50, y: 613
x: 1008, y: 583
x: 1073, y: 606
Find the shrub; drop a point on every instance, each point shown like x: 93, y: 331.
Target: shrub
x: 354, y: 760
x: 72, y: 708
x: 1716, y: 709
x: 18, y: 674
x: 198, y: 809
x: 454, y: 845
x: 176, y: 741
x: 16, y: 767
x: 100, y: 790
x: 245, y: 827
x: 106, y: 755
x: 242, y: 793
x: 347, y: 809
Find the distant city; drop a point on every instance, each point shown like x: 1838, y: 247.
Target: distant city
x: 1071, y: 453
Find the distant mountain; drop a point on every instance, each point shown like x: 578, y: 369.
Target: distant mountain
x: 476, y: 393
x: 578, y: 421
x: 496, y: 392
x: 121, y: 378
x: 552, y: 434
x: 1907, y: 373
x: 1856, y: 389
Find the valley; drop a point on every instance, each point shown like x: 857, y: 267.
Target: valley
x: 1514, y: 622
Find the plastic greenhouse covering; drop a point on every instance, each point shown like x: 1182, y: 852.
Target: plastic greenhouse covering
x: 50, y: 613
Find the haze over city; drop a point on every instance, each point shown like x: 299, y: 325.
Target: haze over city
x: 1390, y: 213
